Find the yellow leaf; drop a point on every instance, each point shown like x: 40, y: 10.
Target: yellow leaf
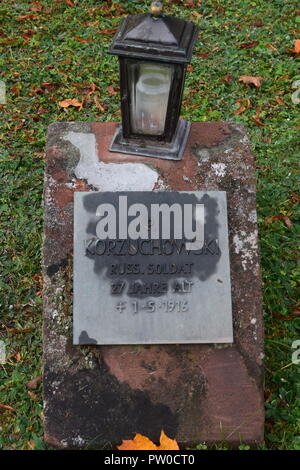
x: 166, y: 443
x: 141, y: 442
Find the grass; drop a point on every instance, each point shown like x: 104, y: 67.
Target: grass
x: 42, y: 63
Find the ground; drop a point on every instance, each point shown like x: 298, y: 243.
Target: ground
x: 57, y: 50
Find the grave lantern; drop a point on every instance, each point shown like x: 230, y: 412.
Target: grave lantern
x: 153, y: 50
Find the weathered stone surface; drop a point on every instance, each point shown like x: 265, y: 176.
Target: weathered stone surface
x: 98, y: 395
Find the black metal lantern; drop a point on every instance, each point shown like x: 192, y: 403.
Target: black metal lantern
x: 153, y: 51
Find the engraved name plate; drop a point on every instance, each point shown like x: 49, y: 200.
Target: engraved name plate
x: 151, y: 268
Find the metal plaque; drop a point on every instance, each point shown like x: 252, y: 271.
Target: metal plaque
x: 151, y: 268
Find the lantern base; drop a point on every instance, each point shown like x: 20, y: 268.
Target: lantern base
x: 149, y: 148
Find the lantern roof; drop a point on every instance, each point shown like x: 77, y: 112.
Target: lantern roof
x: 163, y: 38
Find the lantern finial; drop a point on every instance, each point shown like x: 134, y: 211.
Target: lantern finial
x: 156, y: 8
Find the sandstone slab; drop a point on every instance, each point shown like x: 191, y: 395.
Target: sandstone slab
x: 95, y: 396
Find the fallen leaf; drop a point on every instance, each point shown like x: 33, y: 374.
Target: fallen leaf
x: 8, y: 42
x: 295, y: 196
x: 190, y: 68
x: 7, y: 407
x: 99, y: 106
x: 84, y: 40
x: 256, y: 119
x: 196, y: 14
x: 111, y: 90
x: 242, y: 106
x: 203, y: 56
x: 71, y: 102
x: 296, y: 312
x: 166, y: 443
x: 279, y: 101
x: 70, y: 3
x: 248, y: 80
x: 297, y: 46
x: 227, y: 78
x: 33, y: 383
x: 108, y: 31
x: 18, y: 357
x: 141, y: 442
x: 49, y: 86
x: 31, y: 16
x: 248, y: 45
x: 258, y: 24
x: 36, y: 7
x: 240, y: 110
x: 92, y: 87
x: 282, y: 317
x: 285, y: 219
x: 33, y: 396
x: 15, y: 89
x: 24, y: 330
x: 42, y: 110
x: 269, y: 46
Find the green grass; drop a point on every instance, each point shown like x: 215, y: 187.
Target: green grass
x: 42, y: 63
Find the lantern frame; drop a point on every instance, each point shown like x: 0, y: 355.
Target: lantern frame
x: 154, y: 40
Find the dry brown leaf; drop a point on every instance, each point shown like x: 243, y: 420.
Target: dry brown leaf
x: 241, y: 108
x: 31, y: 16
x: 295, y: 196
x: 248, y: 45
x: 71, y: 102
x: 15, y: 89
x: 285, y: 219
x: 33, y: 383
x: 269, y: 46
x: 108, y: 31
x: 111, y: 90
x: 248, y: 80
x: 7, y: 407
x: 196, y: 14
x: 92, y: 87
x: 84, y: 40
x: 36, y: 7
x: 141, y: 442
x: 33, y: 396
x: 279, y: 101
x: 227, y: 78
x: 25, y: 330
x: 256, y: 119
x: 99, y: 106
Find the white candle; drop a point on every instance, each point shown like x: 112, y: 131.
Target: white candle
x: 149, y: 101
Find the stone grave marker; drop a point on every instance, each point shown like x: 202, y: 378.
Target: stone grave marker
x: 203, y: 379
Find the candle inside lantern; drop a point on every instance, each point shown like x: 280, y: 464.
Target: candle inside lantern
x: 149, y: 97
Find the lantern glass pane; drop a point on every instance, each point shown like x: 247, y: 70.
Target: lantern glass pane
x: 150, y: 88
